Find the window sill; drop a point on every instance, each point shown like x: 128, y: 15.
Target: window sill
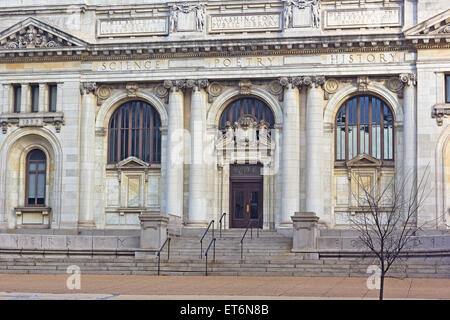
x: 31, y: 119
x: 33, y: 217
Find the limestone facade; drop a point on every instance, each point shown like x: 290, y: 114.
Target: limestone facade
x: 303, y: 59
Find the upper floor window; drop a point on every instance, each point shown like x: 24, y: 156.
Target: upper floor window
x: 35, y: 176
x: 34, y: 98
x: 52, y: 97
x: 134, y: 130
x: 447, y: 88
x: 246, y: 107
x: 364, y: 124
x: 17, y: 98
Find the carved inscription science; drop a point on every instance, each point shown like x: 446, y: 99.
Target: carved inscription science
x: 130, y: 65
x: 245, y: 22
x: 362, y: 18
x: 132, y: 27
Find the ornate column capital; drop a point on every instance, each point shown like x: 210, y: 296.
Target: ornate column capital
x: 174, y: 85
x: 291, y: 82
x: 197, y: 85
x: 315, y: 81
x: 87, y: 87
x: 408, y: 79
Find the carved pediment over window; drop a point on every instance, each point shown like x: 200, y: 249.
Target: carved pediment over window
x: 132, y: 163
x: 363, y: 160
x: 34, y: 34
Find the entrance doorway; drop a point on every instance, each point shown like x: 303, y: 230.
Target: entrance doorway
x: 246, y: 198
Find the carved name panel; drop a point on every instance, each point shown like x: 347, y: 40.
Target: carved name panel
x: 132, y: 27
x: 131, y: 65
x: 245, y: 22
x: 362, y: 18
x: 363, y: 58
x: 243, y: 62
x: 31, y: 122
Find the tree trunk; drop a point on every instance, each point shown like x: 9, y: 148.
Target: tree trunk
x: 382, y: 285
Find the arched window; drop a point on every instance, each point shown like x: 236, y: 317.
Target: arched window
x: 246, y: 106
x: 364, y: 124
x: 35, y: 178
x: 134, y: 130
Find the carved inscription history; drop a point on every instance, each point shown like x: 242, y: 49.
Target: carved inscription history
x: 362, y: 18
x: 132, y: 27
x: 245, y: 22
x: 364, y: 58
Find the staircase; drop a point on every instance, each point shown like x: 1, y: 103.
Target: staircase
x: 268, y: 254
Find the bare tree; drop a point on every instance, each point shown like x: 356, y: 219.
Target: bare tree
x: 386, y: 218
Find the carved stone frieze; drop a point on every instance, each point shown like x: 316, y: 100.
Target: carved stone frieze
x: 31, y: 38
x: 187, y: 17
x: 301, y: 13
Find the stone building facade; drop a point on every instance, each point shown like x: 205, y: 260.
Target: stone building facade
x: 260, y: 109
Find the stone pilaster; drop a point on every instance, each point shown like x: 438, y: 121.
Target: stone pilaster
x: 290, y: 157
x: 87, y: 160
x: 59, y: 95
x: 5, y: 97
x: 42, y: 95
x: 197, y: 183
x: 409, y: 134
x: 25, y: 99
x: 314, y: 145
x: 175, y: 149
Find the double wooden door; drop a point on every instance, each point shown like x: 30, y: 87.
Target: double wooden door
x: 246, y: 204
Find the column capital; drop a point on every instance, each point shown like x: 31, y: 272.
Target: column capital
x: 316, y: 81
x: 290, y: 82
x: 197, y: 85
x: 87, y: 87
x: 174, y: 85
x: 408, y: 79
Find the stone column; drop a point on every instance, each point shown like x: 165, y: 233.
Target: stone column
x: 314, y: 145
x: 42, y: 97
x: 290, y: 155
x: 409, y: 134
x: 25, y: 99
x: 87, y: 159
x: 197, y: 181
x: 175, y: 149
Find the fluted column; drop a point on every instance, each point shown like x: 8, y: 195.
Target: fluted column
x: 87, y: 160
x: 197, y: 182
x: 409, y: 133
x: 175, y: 149
x: 314, y: 145
x: 290, y: 156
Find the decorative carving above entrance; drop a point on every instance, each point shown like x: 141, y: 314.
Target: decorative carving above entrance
x: 245, y: 170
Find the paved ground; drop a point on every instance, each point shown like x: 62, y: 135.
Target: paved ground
x: 35, y: 286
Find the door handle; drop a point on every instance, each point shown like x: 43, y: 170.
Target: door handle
x: 248, y: 208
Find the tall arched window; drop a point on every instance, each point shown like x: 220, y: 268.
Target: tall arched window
x: 134, y: 130
x: 246, y: 106
x: 35, y: 178
x: 364, y: 124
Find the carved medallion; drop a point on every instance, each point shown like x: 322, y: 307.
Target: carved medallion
x: 330, y: 87
x: 214, y: 90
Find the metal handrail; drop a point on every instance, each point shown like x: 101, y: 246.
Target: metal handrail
x: 249, y: 225
x: 213, y: 241
x: 159, y: 252
x: 204, y: 234
x: 220, y: 223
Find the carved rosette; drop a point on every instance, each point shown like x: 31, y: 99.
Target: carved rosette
x: 214, y: 90
x: 395, y: 85
x: 87, y: 87
x: 330, y: 87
